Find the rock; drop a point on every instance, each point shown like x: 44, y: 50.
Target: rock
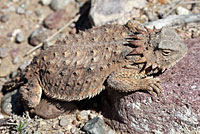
x: 95, y: 126
x: 174, y: 111
x: 20, y: 10
x: 114, y: 11
x: 182, y: 11
x: 19, y: 37
x: 11, y: 103
x: 63, y: 122
x: 53, y: 20
x: 4, y: 18
x: 60, y: 4
x: 38, y: 13
x: 24, y: 65
x: 15, y: 60
x: 38, y: 35
x: 46, y: 2
x: 3, y: 52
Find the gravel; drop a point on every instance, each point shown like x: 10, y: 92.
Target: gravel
x: 20, y: 10
x: 19, y: 37
x: 4, y: 18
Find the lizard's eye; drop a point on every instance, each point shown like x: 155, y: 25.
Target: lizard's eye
x: 166, y: 52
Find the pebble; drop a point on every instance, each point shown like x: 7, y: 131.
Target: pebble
x: 38, y: 35
x: 182, y: 11
x: 52, y: 21
x: 4, y: 18
x: 46, y: 2
x: 20, y: 10
x: 63, y: 122
x: 59, y: 4
x: 24, y: 65
x: 95, y: 126
x: 11, y: 103
x: 38, y: 13
x: 3, y: 52
x: 19, y: 37
x: 15, y: 60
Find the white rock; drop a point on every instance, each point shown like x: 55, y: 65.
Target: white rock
x: 59, y: 4
x: 182, y: 11
x: 46, y: 2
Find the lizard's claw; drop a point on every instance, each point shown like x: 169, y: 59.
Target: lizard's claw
x: 154, y: 86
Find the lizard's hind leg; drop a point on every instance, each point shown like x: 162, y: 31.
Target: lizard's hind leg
x: 128, y: 80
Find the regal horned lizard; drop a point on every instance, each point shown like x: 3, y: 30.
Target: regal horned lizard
x: 124, y: 58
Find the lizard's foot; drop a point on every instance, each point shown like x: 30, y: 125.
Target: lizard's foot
x: 131, y: 80
x: 151, y: 85
x: 31, y: 93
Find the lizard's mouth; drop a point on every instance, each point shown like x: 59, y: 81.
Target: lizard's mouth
x: 153, y: 70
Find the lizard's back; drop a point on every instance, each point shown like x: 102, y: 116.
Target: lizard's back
x: 76, y: 68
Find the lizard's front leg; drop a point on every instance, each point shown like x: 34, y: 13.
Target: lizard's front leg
x: 31, y: 93
x: 128, y: 80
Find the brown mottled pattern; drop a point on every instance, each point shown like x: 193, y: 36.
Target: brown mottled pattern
x: 75, y: 69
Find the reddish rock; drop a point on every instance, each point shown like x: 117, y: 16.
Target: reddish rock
x: 55, y: 19
x: 176, y: 110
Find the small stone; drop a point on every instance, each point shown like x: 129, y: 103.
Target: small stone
x: 15, y: 60
x: 95, y: 126
x: 3, y: 52
x: 13, y: 74
x: 46, y: 2
x: 11, y: 103
x: 182, y: 11
x: 59, y: 4
x: 64, y: 122
x: 4, y: 18
x: 1, y: 87
x: 38, y: 12
x: 52, y: 21
x: 115, y: 11
x: 19, y: 37
x: 24, y: 65
x: 38, y: 35
x: 20, y: 10
x: 14, y: 52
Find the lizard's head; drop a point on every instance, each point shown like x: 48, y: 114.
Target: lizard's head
x: 160, y: 49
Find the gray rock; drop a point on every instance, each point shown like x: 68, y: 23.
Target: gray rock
x: 176, y: 110
x: 19, y: 37
x: 46, y: 2
x: 95, y: 126
x: 11, y: 103
x: 64, y: 121
x: 4, y: 18
x: 15, y: 60
x: 3, y: 52
x: 38, y: 35
x: 114, y: 11
x: 60, y: 4
x: 20, y: 10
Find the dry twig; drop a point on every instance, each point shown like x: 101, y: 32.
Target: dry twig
x: 174, y: 20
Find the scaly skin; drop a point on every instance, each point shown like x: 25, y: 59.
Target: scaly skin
x: 121, y: 57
